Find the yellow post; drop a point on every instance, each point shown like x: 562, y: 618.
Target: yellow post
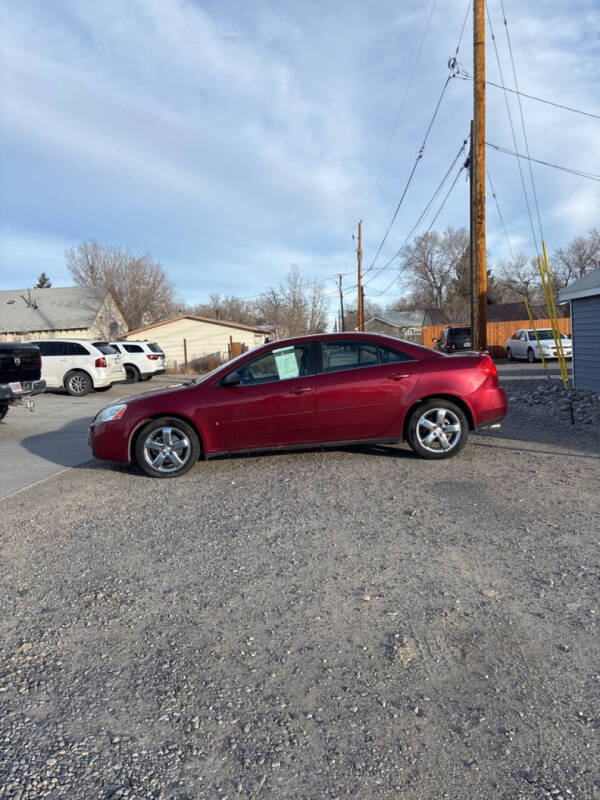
x: 552, y: 316
x: 555, y: 329
x: 536, y: 336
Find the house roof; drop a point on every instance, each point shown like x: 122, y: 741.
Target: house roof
x: 53, y: 309
x: 225, y: 323
x: 587, y: 286
x: 402, y: 319
x: 499, y: 312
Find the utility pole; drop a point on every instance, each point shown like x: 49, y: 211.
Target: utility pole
x: 342, y: 321
x: 472, y: 256
x: 479, y: 329
x: 361, y: 321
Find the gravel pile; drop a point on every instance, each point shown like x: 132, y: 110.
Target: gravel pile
x: 577, y: 406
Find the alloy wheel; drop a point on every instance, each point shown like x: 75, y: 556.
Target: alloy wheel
x: 438, y: 430
x: 167, y: 449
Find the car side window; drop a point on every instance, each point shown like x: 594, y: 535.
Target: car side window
x: 347, y: 355
x: 279, y: 364
x: 78, y: 349
x: 133, y: 348
x: 388, y: 355
x: 50, y: 348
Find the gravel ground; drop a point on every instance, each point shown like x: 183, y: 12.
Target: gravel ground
x: 353, y: 623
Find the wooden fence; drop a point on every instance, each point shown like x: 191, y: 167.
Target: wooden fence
x: 498, y: 332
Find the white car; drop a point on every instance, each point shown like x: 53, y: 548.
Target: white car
x: 80, y: 365
x: 142, y: 360
x: 523, y: 344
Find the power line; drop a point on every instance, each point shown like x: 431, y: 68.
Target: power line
x: 412, y: 172
x: 400, y: 112
x: 514, y: 69
x: 421, y: 216
x: 464, y: 75
x: 493, y: 190
x: 436, y: 215
x: 580, y: 173
x: 512, y: 130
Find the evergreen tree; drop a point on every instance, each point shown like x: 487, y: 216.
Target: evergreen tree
x: 43, y: 282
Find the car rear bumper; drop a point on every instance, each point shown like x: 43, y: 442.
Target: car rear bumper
x: 489, y: 406
x: 29, y: 388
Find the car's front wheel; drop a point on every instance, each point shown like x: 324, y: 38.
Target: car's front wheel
x: 530, y: 356
x: 509, y: 355
x: 167, y: 447
x: 438, y: 429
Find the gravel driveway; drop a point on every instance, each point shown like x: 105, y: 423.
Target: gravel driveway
x: 354, y: 623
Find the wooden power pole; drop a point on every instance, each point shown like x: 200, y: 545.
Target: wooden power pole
x: 361, y: 321
x: 342, y: 320
x: 479, y: 256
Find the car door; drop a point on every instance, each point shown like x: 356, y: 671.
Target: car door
x: 517, y: 345
x: 55, y: 362
x: 361, y: 389
x: 272, y: 406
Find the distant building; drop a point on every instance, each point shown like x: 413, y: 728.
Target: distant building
x: 584, y: 298
x: 406, y: 325
x: 204, y: 337
x: 59, y: 313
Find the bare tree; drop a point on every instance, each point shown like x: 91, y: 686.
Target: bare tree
x: 231, y: 308
x: 580, y: 256
x: 433, y: 262
x: 139, y: 284
x: 295, y: 307
x: 519, y: 279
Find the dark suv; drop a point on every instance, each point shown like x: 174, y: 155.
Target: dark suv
x: 453, y: 339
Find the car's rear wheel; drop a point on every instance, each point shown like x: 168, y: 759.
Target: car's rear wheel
x: 78, y: 384
x: 509, y: 355
x: 3, y: 412
x: 437, y: 429
x: 167, y: 447
x: 530, y: 356
x: 132, y: 374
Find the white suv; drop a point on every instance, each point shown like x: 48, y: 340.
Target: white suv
x: 80, y: 365
x: 142, y: 360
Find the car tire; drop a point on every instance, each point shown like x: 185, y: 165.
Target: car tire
x: 437, y: 416
x: 132, y: 374
x: 3, y: 412
x: 78, y: 383
x: 166, y: 436
x: 531, y: 356
x: 509, y: 355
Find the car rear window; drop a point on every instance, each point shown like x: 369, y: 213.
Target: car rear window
x: 459, y: 334
x: 106, y: 349
x: 154, y: 347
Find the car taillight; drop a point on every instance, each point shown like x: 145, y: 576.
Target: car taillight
x: 487, y: 366
x: 100, y: 362
x: 152, y: 358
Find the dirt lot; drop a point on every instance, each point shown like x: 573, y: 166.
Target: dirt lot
x: 355, y: 623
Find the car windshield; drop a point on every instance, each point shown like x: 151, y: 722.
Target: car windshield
x: 546, y: 334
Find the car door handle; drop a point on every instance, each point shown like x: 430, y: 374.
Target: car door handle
x: 300, y: 389
x: 397, y: 377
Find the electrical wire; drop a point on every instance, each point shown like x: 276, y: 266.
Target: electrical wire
x: 400, y: 112
x: 580, y: 173
x: 512, y: 130
x: 493, y: 190
x: 411, y: 175
x: 421, y: 216
x: 514, y: 69
x: 539, y: 99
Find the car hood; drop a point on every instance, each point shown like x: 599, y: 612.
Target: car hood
x: 131, y: 399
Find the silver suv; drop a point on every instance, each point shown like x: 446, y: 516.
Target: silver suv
x: 142, y: 360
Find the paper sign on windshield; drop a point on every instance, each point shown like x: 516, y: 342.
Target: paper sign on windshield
x: 285, y: 360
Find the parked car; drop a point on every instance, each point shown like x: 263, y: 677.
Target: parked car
x: 80, y: 365
x: 324, y: 390
x: 453, y: 339
x: 20, y: 374
x: 523, y: 344
x: 141, y: 360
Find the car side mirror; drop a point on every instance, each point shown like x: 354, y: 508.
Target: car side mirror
x: 233, y: 379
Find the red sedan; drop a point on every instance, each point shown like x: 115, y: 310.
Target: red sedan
x: 325, y: 389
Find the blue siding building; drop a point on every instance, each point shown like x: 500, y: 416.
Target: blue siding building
x: 584, y: 297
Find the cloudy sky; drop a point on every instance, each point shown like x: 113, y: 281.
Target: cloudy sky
x: 233, y: 139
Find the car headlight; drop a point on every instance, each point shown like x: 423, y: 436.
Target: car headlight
x: 110, y: 413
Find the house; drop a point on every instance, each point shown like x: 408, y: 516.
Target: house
x: 406, y: 325
x: 76, y: 312
x: 503, y: 319
x: 584, y: 298
x: 194, y: 338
